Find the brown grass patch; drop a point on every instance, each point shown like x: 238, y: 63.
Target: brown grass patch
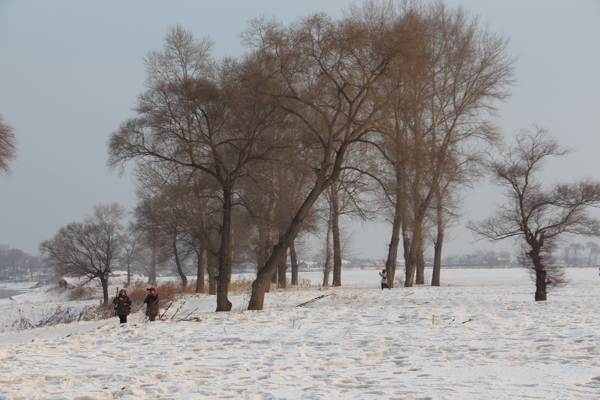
x: 64, y: 316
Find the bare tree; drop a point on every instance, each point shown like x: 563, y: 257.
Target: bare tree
x: 538, y: 216
x: 88, y: 248
x: 8, y: 146
x: 131, y: 250
x: 575, y: 250
x: 162, y: 192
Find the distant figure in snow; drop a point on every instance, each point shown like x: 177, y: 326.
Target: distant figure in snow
x: 383, y: 275
x: 62, y: 283
x: 122, y: 305
x: 152, y: 304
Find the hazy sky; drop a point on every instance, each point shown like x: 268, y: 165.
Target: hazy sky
x: 70, y: 72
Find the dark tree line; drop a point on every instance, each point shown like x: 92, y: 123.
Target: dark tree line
x: 16, y: 265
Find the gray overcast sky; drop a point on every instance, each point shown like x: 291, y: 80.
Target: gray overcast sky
x: 70, y: 72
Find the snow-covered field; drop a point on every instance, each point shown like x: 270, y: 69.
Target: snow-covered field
x: 480, y: 336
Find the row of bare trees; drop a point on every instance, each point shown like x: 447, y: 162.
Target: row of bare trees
x: 578, y: 254
x: 16, y: 265
x: 383, y: 112
x: 233, y: 157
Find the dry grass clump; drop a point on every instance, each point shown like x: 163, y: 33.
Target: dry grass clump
x: 137, y: 292
x: 167, y: 291
x: 345, y: 296
x: 304, y: 284
x: 64, y: 316
x: 241, y: 285
x: 244, y: 285
x: 79, y: 293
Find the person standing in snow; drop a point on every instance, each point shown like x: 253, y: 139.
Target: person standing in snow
x: 122, y: 305
x: 383, y: 275
x: 152, y: 304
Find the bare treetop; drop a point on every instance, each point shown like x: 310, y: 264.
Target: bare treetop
x: 8, y: 146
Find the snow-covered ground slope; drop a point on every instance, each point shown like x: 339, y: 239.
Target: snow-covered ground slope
x: 480, y: 336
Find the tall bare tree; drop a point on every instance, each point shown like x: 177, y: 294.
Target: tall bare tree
x: 162, y: 192
x: 539, y: 217
x: 8, y: 146
x: 202, y: 116
x: 132, y: 250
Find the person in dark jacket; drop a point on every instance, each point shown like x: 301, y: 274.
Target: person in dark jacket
x: 122, y: 305
x: 152, y: 304
x: 383, y: 275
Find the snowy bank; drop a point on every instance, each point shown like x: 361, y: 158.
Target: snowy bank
x: 479, y: 337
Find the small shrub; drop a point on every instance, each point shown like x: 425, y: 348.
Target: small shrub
x: 398, y: 282
x: 79, y: 293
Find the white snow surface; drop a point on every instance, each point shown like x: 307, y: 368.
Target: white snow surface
x: 479, y: 336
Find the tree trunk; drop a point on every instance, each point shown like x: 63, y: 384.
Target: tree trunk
x: 410, y: 264
x: 540, y: 284
x: 264, y: 246
x: 128, y: 274
x: 152, y: 270
x: 104, y: 283
x: 271, y: 236
x: 337, y: 245
x: 274, y: 276
x: 294, y: 262
x: 419, y: 258
x: 327, y: 265
x: 200, y: 238
x: 540, y: 272
x: 201, y: 264
x: 281, y: 273
x: 392, y: 258
x: 224, y: 276
x: 178, y: 264
x: 437, y: 260
x: 439, y: 243
x: 212, y: 268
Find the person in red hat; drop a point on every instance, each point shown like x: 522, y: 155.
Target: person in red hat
x: 152, y: 304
